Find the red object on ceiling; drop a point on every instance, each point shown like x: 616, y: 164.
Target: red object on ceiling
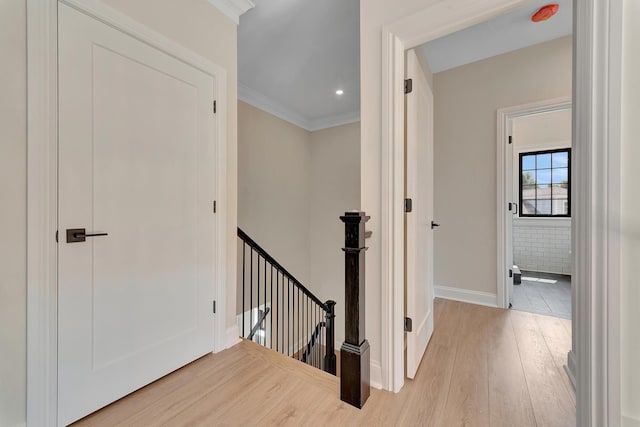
x: 545, y: 12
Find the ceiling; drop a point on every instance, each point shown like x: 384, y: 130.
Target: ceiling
x: 500, y: 35
x: 294, y: 54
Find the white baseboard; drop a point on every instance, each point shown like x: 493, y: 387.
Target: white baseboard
x: 232, y: 336
x: 630, y: 422
x: 466, y: 295
x: 570, y: 368
x: 376, y: 374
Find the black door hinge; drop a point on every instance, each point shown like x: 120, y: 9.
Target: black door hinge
x: 408, y: 324
x: 408, y: 205
x: 215, y: 106
x: 56, y: 236
x: 215, y: 207
x: 408, y: 86
x: 510, y: 139
x: 510, y: 273
x: 214, y: 306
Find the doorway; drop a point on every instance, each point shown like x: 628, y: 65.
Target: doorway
x: 540, y: 184
x: 534, y: 211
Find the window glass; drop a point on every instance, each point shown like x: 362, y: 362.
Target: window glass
x: 543, y: 161
x: 528, y: 163
x: 545, y: 183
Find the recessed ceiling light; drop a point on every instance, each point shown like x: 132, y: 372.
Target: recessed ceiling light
x: 339, y: 92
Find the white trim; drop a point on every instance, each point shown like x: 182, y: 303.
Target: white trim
x: 266, y: 104
x: 262, y: 102
x: 42, y: 185
x: 42, y: 189
x: 627, y: 421
x: 333, y: 121
x: 233, y: 336
x: 504, y: 178
x: 596, y: 210
x: 21, y: 425
x: 392, y: 212
x: 232, y: 9
x: 376, y: 374
x: 466, y: 295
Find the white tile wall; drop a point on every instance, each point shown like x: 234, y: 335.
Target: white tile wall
x: 542, y: 244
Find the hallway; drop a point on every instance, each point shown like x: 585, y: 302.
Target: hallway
x: 483, y: 367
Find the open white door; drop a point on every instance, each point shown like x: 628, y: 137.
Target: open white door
x: 512, y: 209
x: 419, y: 233
x: 136, y: 161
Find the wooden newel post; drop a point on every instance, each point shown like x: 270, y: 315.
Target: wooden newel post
x: 330, y: 351
x: 354, y: 354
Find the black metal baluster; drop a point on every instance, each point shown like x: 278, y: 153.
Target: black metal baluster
x: 278, y: 308
x: 299, y: 329
x: 288, y: 317
x: 244, y: 309
x: 307, y: 321
x: 310, y: 323
x: 258, y: 292
x: 271, y: 323
x: 319, y: 349
x: 264, y: 336
x: 251, y: 293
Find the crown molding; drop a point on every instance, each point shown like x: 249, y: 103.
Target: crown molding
x: 233, y: 8
x: 258, y: 100
x: 333, y: 121
x: 264, y: 103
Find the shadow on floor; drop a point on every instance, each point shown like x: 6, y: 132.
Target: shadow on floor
x: 538, y: 295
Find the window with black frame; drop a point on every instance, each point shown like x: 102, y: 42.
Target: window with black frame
x: 545, y: 183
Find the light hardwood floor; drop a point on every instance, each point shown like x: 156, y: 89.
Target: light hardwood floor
x: 483, y: 367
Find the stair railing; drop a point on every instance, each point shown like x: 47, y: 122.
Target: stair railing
x: 277, y: 311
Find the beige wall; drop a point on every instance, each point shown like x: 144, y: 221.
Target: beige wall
x: 293, y: 186
x: 195, y: 24
x: 630, y: 286
x: 466, y: 101
x: 274, y: 161
x: 13, y: 183
x: 335, y: 188
x: 543, y: 131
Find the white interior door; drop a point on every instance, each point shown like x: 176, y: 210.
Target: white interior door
x: 419, y: 234
x: 136, y: 161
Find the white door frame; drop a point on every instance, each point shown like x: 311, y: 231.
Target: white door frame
x: 42, y: 188
x: 596, y: 155
x: 504, y: 164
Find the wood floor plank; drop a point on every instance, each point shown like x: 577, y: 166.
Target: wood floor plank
x: 509, y: 400
x: 551, y: 401
x: 429, y: 390
x: 483, y: 367
x: 558, y: 341
x: 468, y: 397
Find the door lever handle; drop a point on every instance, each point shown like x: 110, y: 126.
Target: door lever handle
x: 434, y: 225
x: 75, y: 235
